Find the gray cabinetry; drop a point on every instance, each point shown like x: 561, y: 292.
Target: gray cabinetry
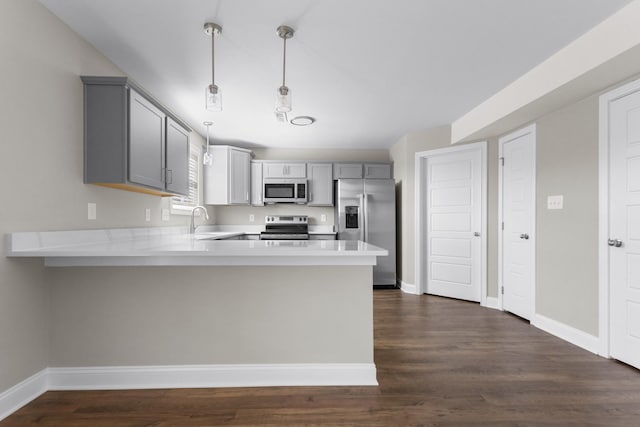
x: 322, y: 236
x: 177, y: 154
x: 146, y: 142
x: 132, y: 141
x: 377, y: 171
x: 256, y: 184
x: 285, y: 170
x: 227, y: 179
x: 320, y: 180
x: 359, y: 170
x: 347, y: 170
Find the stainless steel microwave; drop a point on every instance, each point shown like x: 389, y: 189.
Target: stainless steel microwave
x: 281, y: 190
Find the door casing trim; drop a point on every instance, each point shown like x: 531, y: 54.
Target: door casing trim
x: 421, y: 213
x: 531, y: 129
x: 603, y: 213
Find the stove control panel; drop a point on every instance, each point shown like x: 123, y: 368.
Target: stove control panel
x: 280, y: 219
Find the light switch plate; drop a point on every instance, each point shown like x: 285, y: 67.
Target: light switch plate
x: 91, y: 211
x: 252, y: 218
x: 323, y: 218
x: 165, y: 214
x: 554, y: 202
x: 147, y: 214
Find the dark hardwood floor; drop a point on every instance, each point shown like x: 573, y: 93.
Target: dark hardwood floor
x: 440, y: 362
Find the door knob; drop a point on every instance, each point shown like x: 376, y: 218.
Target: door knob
x: 617, y: 243
x: 524, y: 236
x: 476, y: 234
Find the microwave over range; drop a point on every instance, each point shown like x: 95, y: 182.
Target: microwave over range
x: 281, y: 190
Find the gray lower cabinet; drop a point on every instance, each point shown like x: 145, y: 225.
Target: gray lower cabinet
x: 133, y: 142
x: 322, y: 237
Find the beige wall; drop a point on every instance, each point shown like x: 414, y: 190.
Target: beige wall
x: 567, y: 239
x: 41, y: 167
x: 239, y: 215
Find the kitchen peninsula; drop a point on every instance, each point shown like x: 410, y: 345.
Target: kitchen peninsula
x: 196, y: 311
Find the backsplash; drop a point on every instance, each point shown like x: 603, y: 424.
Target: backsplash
x: 239, y: 215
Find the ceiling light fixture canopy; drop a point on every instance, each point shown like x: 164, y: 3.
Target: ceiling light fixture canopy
x: 302, y: 121
x: 213, y: 95
x: 207, y: 159
x: 283, y: 96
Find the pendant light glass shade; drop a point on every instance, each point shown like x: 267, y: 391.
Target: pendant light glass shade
x: 283, y: 94
x: 213, y: 98
x: 213, y: 95
x: 283, y: 100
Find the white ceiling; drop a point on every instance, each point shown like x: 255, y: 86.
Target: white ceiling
x: 369, y: 71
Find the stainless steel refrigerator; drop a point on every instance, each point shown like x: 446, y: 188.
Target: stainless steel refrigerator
x: 365, y: 209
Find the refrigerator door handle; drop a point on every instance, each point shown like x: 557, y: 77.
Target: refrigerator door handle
x: 363, y: 220
x: 365, y: 199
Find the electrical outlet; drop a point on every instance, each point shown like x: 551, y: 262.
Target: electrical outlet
x: 147, y: 214
x: 252, y: 218
x: 323, y: 218
x: 554, y: 202
x: 165, y: 215
x: 91, y: 211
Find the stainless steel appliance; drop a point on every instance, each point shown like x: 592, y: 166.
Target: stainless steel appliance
x: 286, y: 228
x: 283, y: 190
x: 365, y: 210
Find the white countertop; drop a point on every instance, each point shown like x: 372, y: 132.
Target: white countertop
x: 172, y: 246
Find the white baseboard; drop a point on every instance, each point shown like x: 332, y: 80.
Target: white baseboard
x: 492, y: 302
x: 567, y: 333
x: 187, y: 376
x: 408, y: 288
x: 22, y: 393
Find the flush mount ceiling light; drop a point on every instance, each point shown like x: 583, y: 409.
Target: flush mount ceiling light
x: 207, y: 159
x: 213, y: 96
x: 302, y: 121
x: 283, y: 96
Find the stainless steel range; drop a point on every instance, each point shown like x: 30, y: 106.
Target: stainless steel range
x: 279, y: 227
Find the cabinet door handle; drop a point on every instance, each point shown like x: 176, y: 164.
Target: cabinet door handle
x: 170, y: 175
x: 247, y: 196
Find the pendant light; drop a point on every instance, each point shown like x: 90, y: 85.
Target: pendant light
x: 283, y: 96
x: 207, y: 159
x: 213, y: 96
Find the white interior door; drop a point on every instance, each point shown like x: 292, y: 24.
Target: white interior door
x: 517, y: 152
x: 624, y: 228
x: 454, y: 224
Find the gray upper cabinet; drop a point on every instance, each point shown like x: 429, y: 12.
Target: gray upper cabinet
x: 284, y: 170
x: 177, y: 158
x: 320, y: 180
x: 347, y: 170
x: 377, y: 171
x: 227, y: 180
x: 131, y: 141
x: 146, y: 142
x: 256, y: 184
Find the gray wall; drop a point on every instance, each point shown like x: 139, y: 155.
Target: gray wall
x: 239, y: 215
x: 41, y: 167
x: 567, y: 239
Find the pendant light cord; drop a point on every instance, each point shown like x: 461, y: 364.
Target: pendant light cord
x: 213, y: 51
x: 284, y: 61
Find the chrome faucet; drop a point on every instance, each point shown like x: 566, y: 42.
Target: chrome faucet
x: 192, y: 228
